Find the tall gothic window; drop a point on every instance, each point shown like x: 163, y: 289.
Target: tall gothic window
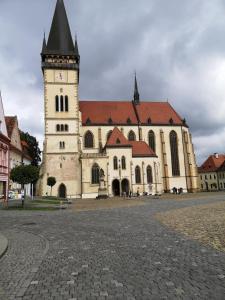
x: 109, y: 134
x: 151, y: 140
x: 66, y: 103
x: 115, y: 163
x: 138, y: 174
x: 57, y: 103
x: 131, y: 136
x: 95, y: 171
x: 88, y: 140
x: 62, y: 127
x: 123, y: 162
x: 149, y: 174
x: 174, y: 154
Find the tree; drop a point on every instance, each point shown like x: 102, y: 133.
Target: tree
x: 24, y: 174
x: 51, y: 181
x: 33, y: 147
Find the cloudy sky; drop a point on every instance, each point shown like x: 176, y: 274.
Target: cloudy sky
x: 177, y: 48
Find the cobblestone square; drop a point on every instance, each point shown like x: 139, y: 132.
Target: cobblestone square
x: 120, y: 253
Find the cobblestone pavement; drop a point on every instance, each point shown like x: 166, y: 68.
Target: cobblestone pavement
x: 121, y: 253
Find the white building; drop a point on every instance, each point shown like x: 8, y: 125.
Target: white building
x: 139, y: 146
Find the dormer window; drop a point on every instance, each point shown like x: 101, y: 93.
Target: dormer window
x: 171, y: 121
x: 88, y: 121
x: 110, y: 121
x: 149, y: 121
x: 118, y: 141
x: 128, y: 121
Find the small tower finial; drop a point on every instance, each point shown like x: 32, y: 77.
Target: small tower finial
x: 136, y: 93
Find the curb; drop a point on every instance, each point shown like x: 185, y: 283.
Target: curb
x: 3, y: 245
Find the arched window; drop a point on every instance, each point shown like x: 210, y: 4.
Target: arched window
x: 131, y: 136
x: 149, y: 174
x: 57, y: 103
x: 109, y: 134
x: 115, y: 163
x: 174, y: 154
x: 61, y: 103
x: 123, y: 162
x: 66, y: 104
x: 88, y: 140
x: 95, y: 174
x: 57, y: 127
x: 66, y: 127
x: 138, y: 174
x: 62, y: 127
x: 151, y: 140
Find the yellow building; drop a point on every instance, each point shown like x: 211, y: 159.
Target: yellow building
x: 99, y: 148
x: 212, y: 173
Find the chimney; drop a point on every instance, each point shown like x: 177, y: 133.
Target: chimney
x: 216, y: 155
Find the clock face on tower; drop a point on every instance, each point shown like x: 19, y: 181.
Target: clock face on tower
x: 60, y: 76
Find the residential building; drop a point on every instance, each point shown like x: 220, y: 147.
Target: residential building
x: 4, y: 156
x: 211, y: 173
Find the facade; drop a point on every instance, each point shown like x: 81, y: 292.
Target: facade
x: 18, y: 151
x: 4, y: 156
x: 86, y: 141
x: 212, y: 173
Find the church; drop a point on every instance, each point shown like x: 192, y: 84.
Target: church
x: 106, y: 148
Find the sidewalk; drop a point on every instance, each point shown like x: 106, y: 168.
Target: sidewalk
x: 3, y: 245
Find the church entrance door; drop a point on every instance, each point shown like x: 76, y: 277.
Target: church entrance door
x: 125, y: 187
x: 62, y: 191
x: 116, y: 187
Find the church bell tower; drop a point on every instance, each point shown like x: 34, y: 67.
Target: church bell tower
x: 60, y: 66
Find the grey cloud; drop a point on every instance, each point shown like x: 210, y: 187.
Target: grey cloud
x: 175, y: 46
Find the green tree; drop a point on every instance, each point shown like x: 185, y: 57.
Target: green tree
x: 24, y: 174
x: 51, y: 181
x: 33, y: 147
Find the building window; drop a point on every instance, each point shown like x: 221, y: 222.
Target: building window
x: 214, y: 176
x: 95, y: 174
x: 62, y: 145
x: 66, y: 103
x: 62, y: 127
x: 174, y: 154
x: 66, y: 127
x: 61, y: 103
x: 201, y: 177
x: 57, y: 127
x: 151, y: 140
x: 210, y: 177
x: 138, y: 174
x: 88, y: 140
x: 115, y: 163
x: 221, y: 185
x: 202, y: 186
x: 131, y: 136
x: 224, y: 185
x: 57, y: 103
x: 149, y: 174
x: 206, y: 177
x: 123, y: 162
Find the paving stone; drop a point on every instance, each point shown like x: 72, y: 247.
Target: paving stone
x: 115, y: 254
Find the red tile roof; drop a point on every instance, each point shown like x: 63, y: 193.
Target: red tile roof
x: 212, y: 164
x: 124, y: 112
x: 139, y: 148
x: 157, y: 113
x: 102, y: 112
x: 117, y: 139
x: 10, y: 123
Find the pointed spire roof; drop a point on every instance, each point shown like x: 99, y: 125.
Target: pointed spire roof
x: 44, y: 45
x: 60, y: 39
x: 136, y: 93
x: 76, y: 47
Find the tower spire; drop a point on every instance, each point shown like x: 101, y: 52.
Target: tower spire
x: 44, y: 45
x: 60, y: 40
x: 136, y: 93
